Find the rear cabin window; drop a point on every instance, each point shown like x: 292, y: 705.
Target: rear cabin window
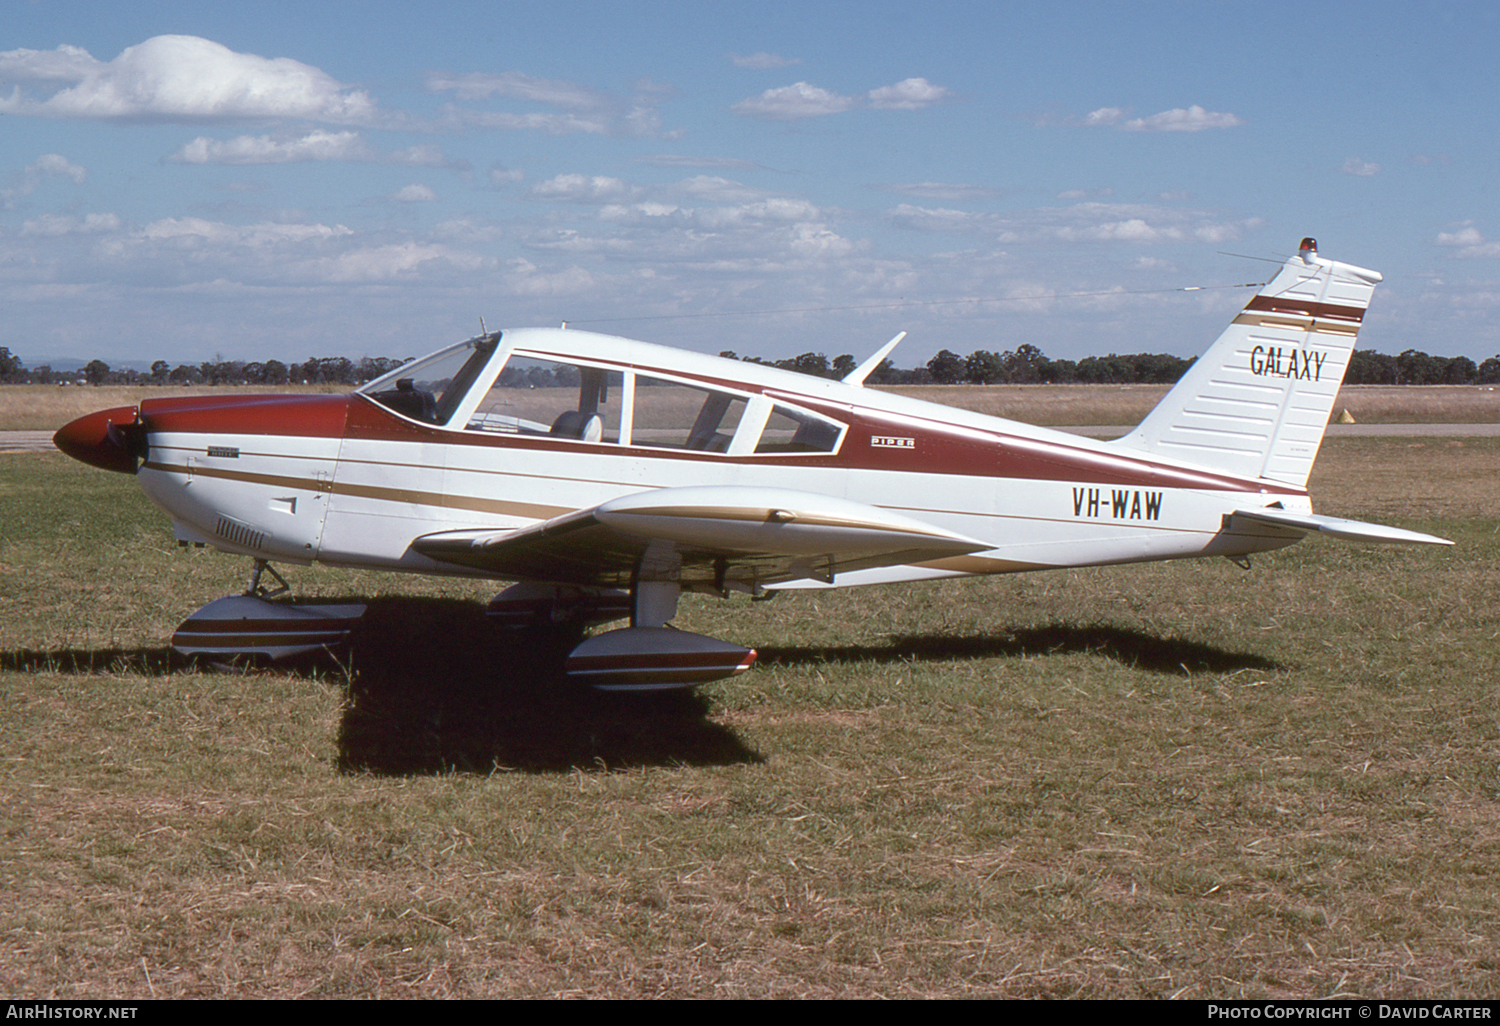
x: 789, y: 430
x: 671, y: 415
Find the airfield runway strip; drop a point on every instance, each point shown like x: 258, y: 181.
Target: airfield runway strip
x: 26, y: 441
x: 41, y: 441
x: 1338, y: 431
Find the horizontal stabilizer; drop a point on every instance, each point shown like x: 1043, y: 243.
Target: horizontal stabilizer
x: 1337, y: 527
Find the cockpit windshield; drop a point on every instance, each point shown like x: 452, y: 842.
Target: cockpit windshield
x: 431, y: 388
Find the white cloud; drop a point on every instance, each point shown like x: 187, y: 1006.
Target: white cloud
x: 468, y: 230
x: 584, y: 189
x: 1103, y: 116
x: 553, y: 124
x: 388, y: 262
x: 1081, y: 222
x: 265, y: 149
x: 1469, y: 242
x: 908, y: 94
x: 1191, y: 119
x: 1146, y: 263
x: 48, y: 165
x: 714, y: 189
x: 414, y: 193
x: 578, y: 108
x: 1466, y: 236
x: 175, y: 78
x: 194, y: 252
x: 793, y: 102
x: 771, y: 235
x: 679, y: 160
x: 951, y: 192
x: 254, y: 235
x: 515, y: 85
x: 1083, y: 194
x: 425, y: 155
x: 317, y: 145
x: 1360, y: 168
x: 762, y: 61
x: 618, y: 212
x: 65, y: 64
x: 777, y: 208
x: 55, y: 226
x: 58, y: 166
x: 803, y: 100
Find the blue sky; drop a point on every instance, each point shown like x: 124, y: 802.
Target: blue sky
x: 185, y: 181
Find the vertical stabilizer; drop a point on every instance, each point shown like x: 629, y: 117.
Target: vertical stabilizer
x: 1257, y: 402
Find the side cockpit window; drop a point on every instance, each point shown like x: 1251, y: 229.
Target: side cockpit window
x: 548, y: 397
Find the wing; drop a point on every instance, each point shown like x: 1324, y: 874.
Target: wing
x: 709, y: 537
x: 1337, y: 527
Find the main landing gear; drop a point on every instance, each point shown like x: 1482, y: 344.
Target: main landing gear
x: 648, y: 655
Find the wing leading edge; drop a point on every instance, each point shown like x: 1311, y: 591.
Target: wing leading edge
x: 715, y: 538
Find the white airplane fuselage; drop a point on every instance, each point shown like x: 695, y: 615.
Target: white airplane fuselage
x: 345, y: 481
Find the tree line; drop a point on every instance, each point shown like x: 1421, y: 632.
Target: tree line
x: 325, y: 370
x: 1028, y: 365
x: 1024, y: 365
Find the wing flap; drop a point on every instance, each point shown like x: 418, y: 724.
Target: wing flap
x: 1337, y: 527
x: 713, y: 536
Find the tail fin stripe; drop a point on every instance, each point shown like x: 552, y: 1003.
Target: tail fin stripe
x: 1280, y: 304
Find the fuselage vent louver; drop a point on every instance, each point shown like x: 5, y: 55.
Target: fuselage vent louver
x: 239, y: 534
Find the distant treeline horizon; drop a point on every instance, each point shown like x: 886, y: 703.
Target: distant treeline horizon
x: 1024, y: 365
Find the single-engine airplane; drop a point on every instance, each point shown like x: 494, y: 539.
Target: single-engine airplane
x: 605, y: 477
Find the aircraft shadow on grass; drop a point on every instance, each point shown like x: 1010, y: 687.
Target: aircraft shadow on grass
x: 432, y: 686
x: 1137, y: 649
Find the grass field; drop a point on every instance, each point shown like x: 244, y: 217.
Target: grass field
x: 1168, y: 780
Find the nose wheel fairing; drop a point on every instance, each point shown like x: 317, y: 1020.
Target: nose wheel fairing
x: 251, y: 627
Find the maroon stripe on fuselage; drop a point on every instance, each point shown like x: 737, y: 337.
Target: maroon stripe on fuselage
x: 1291, y: 305
x: 312, y: 416
x: 955, y: 451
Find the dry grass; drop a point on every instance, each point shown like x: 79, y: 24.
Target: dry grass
x: 1167, y: 780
